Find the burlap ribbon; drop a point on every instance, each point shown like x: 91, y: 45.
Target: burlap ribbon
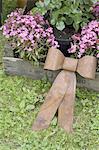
x: 62, y: 93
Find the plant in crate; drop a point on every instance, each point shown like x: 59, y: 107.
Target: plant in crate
x: 86, y: 42
x: 30, y: 36
x: 66, y: 17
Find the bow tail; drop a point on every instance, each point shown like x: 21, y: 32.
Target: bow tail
x: 65, y: 111
x: 52, y: 101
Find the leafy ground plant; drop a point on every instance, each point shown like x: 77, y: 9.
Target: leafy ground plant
x: 20, y: 100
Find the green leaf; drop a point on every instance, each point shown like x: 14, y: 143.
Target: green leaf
x: 53, y: 21
x: 60, y: 25
x: 68, y: 20
x: 46, y: 2
x: 39, y: 4
x: 22, y: 54
x: 54, y: 121
x: 1, y: 72
x: 76, y: 26
x: 30, y: 107
x: 22, y: 104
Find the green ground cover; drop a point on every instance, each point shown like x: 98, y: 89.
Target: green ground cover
x: 20, y: 100
x: 8, y: 6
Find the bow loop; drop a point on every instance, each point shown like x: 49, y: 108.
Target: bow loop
x: 54, y: 60
x: 87, y: 67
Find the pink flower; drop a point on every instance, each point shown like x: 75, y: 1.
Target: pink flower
x: 76, y: 37
x: 28, y: 32
x: 29, y: 49
x: 82, y: 50
x: 73, y: 48
x: 97, y: 55
x: 44, y: 34
x: 50, y: 30
x: 37, y: 35
x: 56, y: 45
x: 79, y: 55
x: 86, y: 42
x: 30, y: 37
x: 97, y: 47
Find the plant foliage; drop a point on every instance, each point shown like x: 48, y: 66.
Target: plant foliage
x: 66, y: 12
x: 30, y: 36
x: 8, y: 6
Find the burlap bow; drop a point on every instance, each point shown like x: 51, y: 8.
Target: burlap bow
x: 62, y: 93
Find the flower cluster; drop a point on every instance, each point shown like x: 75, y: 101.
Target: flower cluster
x: 31, y: 35
x: 95, y: 9
x: 87, y: 42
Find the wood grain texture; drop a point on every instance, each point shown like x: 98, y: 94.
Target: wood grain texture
x: 16, y: 66
x: 88, y: 83
x: 8, y: 51
x: 52, y: 101
x: 66, y: 109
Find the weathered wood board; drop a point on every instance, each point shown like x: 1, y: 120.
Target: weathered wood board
x: 16, y: 66
x: 8, y: 52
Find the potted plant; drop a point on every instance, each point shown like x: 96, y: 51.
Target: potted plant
x: 87, y: 41
x: 30, y: 36
x: 85, y: 45
x: 67, y: 17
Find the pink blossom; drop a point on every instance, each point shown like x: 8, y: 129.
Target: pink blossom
x: 28, y: 32
x: 82, y: 50
x: 76, y: 37
x: 44, y: 34
x: 37, y: 35
x: 29, y: 49
x: 50, y: 30
x: 97, y: 47
x: 87, y: 41
x: 98, y: 55
x: 79, y: 55
x: 30, y: 37
x: 73, y: 48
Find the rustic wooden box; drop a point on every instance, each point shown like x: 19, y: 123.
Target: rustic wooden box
x: 16, y: 66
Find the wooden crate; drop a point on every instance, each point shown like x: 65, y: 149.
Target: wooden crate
x: 16, y: 66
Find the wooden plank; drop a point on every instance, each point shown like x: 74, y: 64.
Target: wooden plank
x: 90, y: 84
x: 16, y: 66
x: 8, y: 51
